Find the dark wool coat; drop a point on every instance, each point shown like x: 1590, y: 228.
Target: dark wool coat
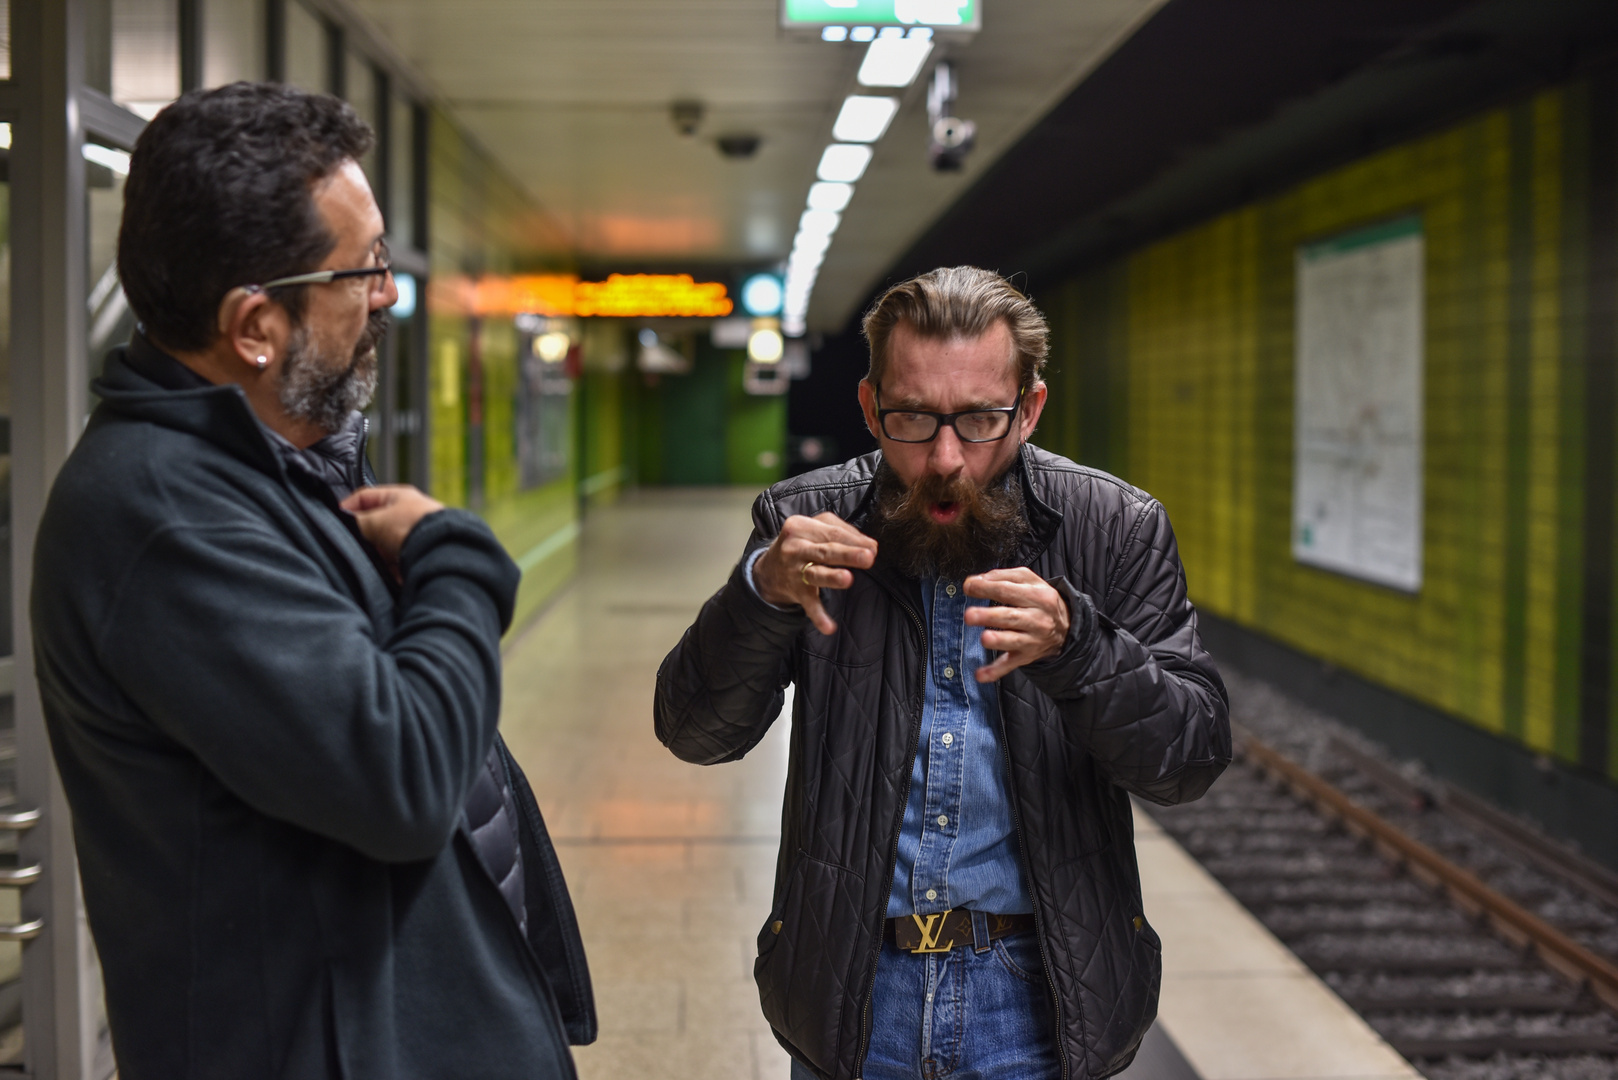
x: 268, y: 757
x: 1132, y: 703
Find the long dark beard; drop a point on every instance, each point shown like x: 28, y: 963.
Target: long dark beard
x: 981, y: 537
x: 315, y: 389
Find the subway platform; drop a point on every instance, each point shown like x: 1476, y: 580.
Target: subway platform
x: 671, y: 865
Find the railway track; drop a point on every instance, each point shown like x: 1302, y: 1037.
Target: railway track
x: 1477, y: 949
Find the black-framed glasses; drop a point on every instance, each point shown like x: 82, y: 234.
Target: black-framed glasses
x: 972, y: 425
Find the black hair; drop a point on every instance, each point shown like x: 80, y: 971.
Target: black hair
x: 220, y: 194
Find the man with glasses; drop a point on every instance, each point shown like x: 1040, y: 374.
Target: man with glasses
x: 271, y: 688
x: 992, y: 650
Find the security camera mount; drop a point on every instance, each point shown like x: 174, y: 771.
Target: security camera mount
x: 686, y: 115
x: 952, y: 137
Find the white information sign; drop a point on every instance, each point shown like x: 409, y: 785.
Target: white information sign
x: 1357, y: 469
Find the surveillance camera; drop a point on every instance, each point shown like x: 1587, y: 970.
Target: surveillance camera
x: 686, y: 116
x: 953, y: 139
x: 737, y: 147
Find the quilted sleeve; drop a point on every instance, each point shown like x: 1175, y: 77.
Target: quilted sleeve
x: 1133, y: 681
x: 722, y: 686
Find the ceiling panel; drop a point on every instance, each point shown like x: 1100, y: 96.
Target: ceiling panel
x: 573, y: 97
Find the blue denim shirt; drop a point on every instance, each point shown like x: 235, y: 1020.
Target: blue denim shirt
x: 958, y: 840
x: 957, y: 846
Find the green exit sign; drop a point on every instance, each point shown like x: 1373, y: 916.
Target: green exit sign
x: 954, y: 14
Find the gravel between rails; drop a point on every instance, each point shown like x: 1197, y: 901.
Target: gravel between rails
x: 1454, y: 997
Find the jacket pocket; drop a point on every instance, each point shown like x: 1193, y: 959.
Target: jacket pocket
x: 806, y: 953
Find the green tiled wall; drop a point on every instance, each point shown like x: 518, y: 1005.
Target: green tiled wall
x: 1173, y: 368
x: 481, y: 223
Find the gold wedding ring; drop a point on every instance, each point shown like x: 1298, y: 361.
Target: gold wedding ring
x: 804, y: 573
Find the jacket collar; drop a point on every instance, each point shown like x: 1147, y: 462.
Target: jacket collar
x: 141, y: 382
x: 1044, y: 520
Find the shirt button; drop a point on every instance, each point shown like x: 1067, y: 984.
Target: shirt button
x: 948, y: 738
x: 943, y: 819
x: 932, y: 894
x: 949, y: 590
x: 949, y: 673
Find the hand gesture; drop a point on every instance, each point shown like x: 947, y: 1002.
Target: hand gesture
x: 1029, y: 622
x: 810, y: 554
x: 386, y: 514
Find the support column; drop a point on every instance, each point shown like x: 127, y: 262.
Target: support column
x: 62, y: 1010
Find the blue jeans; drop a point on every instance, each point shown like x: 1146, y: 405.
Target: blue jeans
x: 964, y: 1015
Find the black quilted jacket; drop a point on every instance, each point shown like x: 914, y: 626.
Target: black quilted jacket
x: 1132, y: 703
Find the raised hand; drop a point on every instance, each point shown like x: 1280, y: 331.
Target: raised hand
x: 1028, y: 622
x: 811, y: 554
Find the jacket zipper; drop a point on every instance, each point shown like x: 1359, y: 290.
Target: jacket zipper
x: 893, y: 854
x: 359, y: 458
x: 1039, y: 923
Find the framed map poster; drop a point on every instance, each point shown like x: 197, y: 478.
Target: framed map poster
x: 1357, y: 436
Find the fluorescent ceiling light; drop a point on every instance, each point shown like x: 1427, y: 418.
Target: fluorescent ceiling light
x: 819, y: 222
x: 862, y: 33
x: 891, y: 31
x: 844, y: 162
x: 825, y: 196
x: 864, y: 118
x: 834, y: 33
x: 808, y: 253
x: 894, y: 61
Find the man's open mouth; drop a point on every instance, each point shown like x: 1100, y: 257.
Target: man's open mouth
x: 944, y: 512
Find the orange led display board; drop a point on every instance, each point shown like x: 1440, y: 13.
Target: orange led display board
x: 646, y: 295
x: 620, y: 296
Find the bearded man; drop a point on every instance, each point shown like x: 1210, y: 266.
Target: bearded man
x: 271, y: 689
x: 992, y: 649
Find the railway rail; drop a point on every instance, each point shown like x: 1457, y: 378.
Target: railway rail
x: 1479, y: 950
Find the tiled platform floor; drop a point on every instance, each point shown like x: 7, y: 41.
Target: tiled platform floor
x: 671, y: 864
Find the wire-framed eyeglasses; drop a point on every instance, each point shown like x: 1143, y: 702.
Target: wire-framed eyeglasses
x: 971, y: 425
x: 325, y: 277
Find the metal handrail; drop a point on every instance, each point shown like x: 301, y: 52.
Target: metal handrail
x: 20, y: 820
x: 27, y: 931
x: 19, y: 876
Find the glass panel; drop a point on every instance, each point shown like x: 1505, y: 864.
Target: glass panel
x: 308, y: 49
x: 359, y: 80
x: 5, y: 39
x: 232, y: 41
x: 409, y: 378
x: 401, y: 210
x: 145, y: 54
x: 11, y: 1031
x: 110, y: 320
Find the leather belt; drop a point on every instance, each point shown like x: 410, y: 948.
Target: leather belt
x: 951, y: 930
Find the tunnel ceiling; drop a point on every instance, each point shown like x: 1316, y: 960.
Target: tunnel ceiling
x: 1213, y: 103
x: 573, y: 98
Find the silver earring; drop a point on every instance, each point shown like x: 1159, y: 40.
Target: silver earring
x: 263, y: 362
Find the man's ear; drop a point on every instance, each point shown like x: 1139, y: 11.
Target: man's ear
x: 254, y: 326
x: 1033, y: 403
x: 868, y: 407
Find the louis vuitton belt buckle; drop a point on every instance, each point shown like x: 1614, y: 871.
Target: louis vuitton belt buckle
x: 942, y: 932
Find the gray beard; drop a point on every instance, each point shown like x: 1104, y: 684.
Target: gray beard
x: 314, y: 388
